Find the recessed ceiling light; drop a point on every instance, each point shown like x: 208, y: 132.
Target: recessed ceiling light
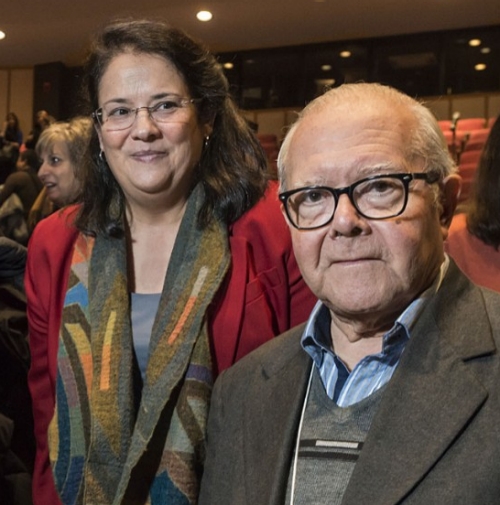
x: 228, y: 65
x: 2, y: 35
x: 474, y: 42
x: 345, y: 54
x: 480, y: 66
x: 485, y: 50
x: 326, y: 68
x: 204, y: 16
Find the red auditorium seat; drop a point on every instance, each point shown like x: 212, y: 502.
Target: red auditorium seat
x: 267, y: 138
x: 444, y: 124
x: 471, y: 123
x: 460, y: 141
x: 471, y: 156
x: 477, y: 139
x: 467, y: 171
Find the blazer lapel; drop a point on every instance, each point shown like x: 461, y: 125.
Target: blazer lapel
x: 429, y: 400
x: 280, y: 397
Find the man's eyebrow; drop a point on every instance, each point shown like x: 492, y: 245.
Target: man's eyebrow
x: 380, y: 168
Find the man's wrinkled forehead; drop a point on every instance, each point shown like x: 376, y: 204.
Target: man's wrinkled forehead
x: 357, y: 141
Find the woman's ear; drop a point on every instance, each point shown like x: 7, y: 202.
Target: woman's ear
x: 99, y: 135
x: 208, y: 128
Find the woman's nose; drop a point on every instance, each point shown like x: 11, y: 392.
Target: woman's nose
x: 144, y: 126
x: 43, y: 170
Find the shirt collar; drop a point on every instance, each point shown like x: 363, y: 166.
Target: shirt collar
x: 316, y: 336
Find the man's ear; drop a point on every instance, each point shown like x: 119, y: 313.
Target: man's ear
x: 283, y: 211
x: 450, y: 191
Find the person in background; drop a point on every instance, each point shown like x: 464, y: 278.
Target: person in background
x: 17, y: 195
x: 24, y: 182
x: 474, y: 237
x: 42, y: 121
x: 17, y: 443
x: 176, y: 264
x: 61, y: 149
x: 390, y: 393
x: 11, y: 131
x: 11, y: 139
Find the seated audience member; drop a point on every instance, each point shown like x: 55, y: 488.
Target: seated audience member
x: 17, y: 444
x: 390, y: 392
x: 11, y: 131
x: 42, y: 121
x: 9, y: 153
x: 11, y: 139
x: 15, y: 480
x: 61, y: 148
x: 24, y: 182
x: 17, y: 196
x: 474, y: 237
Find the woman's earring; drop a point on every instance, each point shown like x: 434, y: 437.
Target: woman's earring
x: 102, y: 156
x: 207, y: 138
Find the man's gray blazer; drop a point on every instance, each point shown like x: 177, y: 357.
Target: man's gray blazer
x: 435, y: 439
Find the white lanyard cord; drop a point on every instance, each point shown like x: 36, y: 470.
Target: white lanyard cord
x: 297, y: 442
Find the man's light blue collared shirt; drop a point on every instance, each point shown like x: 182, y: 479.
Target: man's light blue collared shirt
x: 373, y: 371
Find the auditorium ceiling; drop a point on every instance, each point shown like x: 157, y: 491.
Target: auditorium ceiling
x: 43, y: 31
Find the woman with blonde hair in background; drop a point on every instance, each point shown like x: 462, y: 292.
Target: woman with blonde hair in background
x: 62, y: 150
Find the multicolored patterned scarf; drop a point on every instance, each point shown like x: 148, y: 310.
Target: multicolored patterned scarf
x: 103, y: 448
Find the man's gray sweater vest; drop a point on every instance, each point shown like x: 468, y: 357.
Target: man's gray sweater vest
x: 331, y: 441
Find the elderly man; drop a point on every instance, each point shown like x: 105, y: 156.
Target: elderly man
x: 390, y: 394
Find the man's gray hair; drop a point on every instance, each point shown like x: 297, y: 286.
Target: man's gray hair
x: 427, y: 140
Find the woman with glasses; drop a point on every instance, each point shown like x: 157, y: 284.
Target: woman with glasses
x: 176, y: 264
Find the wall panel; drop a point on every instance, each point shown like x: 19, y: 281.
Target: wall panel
x: 441, y: 107
x: 494, y: 106
x: 21, y: 97
x: 4, y: 94
x: 470, y: 106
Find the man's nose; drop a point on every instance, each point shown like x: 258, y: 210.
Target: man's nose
x: 346, y: 219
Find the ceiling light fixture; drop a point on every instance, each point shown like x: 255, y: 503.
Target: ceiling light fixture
x: 345, y: 54
x: 485, y: 50
x: 228, y: 65
x: 2, y: 35
x: 204, y: 16
x: 474, y: 42
x: 326, y: 68
x: 480, y: 66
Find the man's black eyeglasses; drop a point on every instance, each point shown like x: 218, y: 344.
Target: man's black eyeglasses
x: 376, y: 197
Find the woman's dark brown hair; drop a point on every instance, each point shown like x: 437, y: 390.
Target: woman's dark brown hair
x: 232, y: 167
